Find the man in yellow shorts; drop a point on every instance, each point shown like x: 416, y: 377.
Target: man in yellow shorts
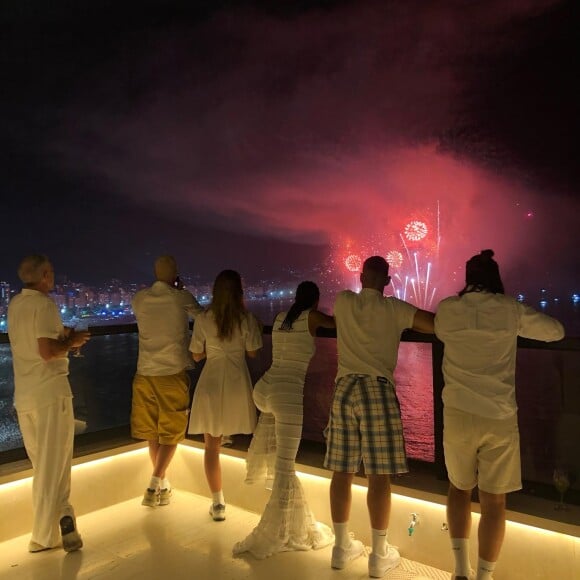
x: 161, y: 385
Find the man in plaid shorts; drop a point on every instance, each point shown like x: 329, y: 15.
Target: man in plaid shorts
x: 365, y: 420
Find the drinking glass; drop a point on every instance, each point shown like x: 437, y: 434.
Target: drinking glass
x: 80, y: 326
x: 561, y: 479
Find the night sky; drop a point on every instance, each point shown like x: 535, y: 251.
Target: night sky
x: 234, y: 134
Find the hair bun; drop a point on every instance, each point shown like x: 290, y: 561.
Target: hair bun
x: 487, y: 254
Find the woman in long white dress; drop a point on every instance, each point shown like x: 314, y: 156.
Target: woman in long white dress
x: 222, y: 403
x: 287, y: 522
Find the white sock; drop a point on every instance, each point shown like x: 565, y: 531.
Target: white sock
x: 341, y: 535
x: 165, y: 484
x: 485, y: 569
x: 154, y: 482
x: 218, y: 497
x: 380, y: 542
x: 460, y: 547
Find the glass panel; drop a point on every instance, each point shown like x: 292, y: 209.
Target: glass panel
x: 548, y: 394
x: 414, y: 390
x: 101, y: 382
x: 318, y: 389
x: 10, y: 437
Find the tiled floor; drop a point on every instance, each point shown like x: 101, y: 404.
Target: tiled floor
x: 127, y: 541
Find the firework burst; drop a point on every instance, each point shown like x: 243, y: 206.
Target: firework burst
x: 411, y: 249
x: 416, y: 230
x: 353, y: 263
x: 394, y: 258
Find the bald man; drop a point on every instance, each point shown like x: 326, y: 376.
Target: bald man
x: 365, y: 421
x: 43, y: 401
x: 161, y: 385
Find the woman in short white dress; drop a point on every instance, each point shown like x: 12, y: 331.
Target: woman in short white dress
x: 287, y: 522
x: 222, y: 404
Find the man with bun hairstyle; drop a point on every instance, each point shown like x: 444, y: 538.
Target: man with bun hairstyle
x: 480, y: 328
x: 160, y: 406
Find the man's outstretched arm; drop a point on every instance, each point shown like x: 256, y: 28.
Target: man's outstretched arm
x: 424, y: 321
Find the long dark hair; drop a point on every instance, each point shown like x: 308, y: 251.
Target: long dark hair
x: 482, y: 274
x: 228, y: 303
x: 307, y: 294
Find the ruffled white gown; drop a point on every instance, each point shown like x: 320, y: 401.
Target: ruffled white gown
x: 287, y: 522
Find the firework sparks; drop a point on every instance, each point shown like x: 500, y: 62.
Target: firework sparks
x: 416, y: 230
x: 394, y: 258
x: 353, y: 263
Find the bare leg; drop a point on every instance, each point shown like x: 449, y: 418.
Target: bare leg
x: 459, y: 512
x: 379, y: 500
x: 211, y: 462
x: 340, y: 496
x: 459, y: 521
x: 491, y: 526
x: 163, y: 458
x: 153, y: 448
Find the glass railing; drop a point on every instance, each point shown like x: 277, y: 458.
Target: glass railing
x: 548, y: 392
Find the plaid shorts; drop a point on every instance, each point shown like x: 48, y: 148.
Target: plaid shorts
x: 365, y: 424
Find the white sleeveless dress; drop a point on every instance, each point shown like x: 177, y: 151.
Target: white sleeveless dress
x: 287, y: 522
x: 222, y: 402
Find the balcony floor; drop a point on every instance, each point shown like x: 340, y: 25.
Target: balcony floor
x: 127, y: 541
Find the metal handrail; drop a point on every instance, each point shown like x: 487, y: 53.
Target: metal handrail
x: 569, y: 343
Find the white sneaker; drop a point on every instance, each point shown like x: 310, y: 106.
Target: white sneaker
x: 380, y: 565
x: 218, y: 512
x: 150, y: 498
x: 71, y: 539
x: 165, y: 496
x: 341, y: 556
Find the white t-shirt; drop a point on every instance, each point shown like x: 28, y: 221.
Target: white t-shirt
x: 37, y: 383
x: 368, y: 329
x: 480, y: 331
x: 162, y: 314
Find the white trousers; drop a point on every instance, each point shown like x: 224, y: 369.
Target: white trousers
x: 48, y: 434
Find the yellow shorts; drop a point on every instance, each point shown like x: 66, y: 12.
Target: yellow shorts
x: 482, y: 452
x: 160, y: 408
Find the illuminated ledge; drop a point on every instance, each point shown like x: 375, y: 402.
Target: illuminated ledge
x: 109, y: 478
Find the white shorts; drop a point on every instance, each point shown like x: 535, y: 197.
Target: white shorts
x: 482, y: 452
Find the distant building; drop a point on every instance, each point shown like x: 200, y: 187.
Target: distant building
x: 4, y: 294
